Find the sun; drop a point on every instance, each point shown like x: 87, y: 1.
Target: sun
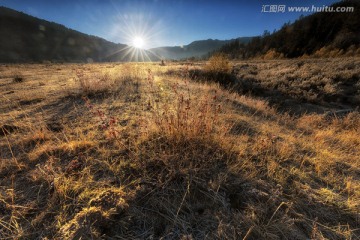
x: 138, y: 42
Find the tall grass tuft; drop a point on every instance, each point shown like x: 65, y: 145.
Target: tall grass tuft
x: 94, y: 83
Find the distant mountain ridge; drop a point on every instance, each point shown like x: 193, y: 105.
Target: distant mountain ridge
x: 194, y: 49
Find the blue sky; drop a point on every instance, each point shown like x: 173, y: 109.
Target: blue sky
x: 163, y: 22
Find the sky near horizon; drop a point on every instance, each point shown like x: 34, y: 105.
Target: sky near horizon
x: 164, y: 22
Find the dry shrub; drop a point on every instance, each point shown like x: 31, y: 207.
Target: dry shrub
x: 219, y: 63
x: 219, y: 69
x: 329, y: 52
x: 273, y: 54
x: 187, y: 118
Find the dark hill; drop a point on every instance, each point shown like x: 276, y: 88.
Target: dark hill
x: 28, y: 39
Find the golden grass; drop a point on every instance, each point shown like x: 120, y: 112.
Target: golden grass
x: 136, y: 151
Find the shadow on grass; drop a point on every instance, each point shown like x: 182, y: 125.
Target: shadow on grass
x: 294, y: 103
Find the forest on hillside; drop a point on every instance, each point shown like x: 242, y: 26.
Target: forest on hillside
x: 322, y: 34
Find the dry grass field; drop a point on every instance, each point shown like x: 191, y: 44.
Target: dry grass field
x: 143, y: 151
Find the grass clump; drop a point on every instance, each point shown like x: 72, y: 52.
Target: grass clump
x: 94, y: 83
x: 186, y: 117
x: 91, y: 221
x: 18, y: 78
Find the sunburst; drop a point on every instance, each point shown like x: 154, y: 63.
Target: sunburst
x: 139, y: 32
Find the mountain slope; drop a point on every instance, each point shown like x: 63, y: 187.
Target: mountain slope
x: 194, y: 49
x: 29, y: 39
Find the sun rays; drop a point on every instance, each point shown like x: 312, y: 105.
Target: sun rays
x: 139, y: 32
